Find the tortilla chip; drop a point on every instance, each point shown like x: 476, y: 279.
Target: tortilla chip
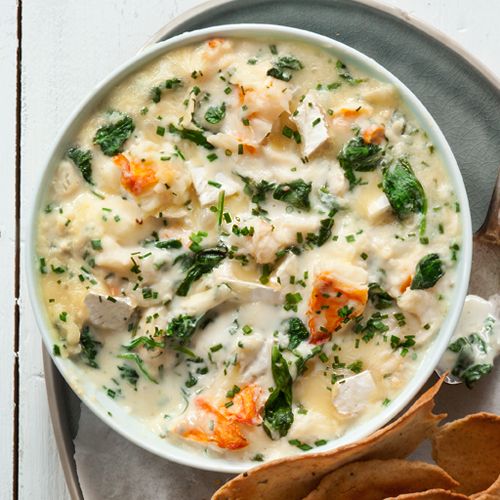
x: 293, y: 478
x: 435, y: 494
x: 492, y: 493
x: 378, y: 479
x: 469, y: 450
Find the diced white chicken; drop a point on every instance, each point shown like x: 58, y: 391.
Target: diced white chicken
x: 199, y: 303
x: 108, y: 312
x: 254, y: 359
x: 249, y: 291
x: 287, y: 268
x: 224, y: 141
x: 312, y: 126
x: 270, y: 238
x: 378, y: 208
x: 207, y: 193
x: 354, y: 393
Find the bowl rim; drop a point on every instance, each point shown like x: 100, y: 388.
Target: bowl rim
x: 136, y: 432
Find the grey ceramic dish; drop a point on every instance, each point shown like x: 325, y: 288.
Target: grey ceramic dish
x: 460, y: 93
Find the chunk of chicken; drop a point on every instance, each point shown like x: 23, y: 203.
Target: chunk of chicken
x: 108, y: 312
x: 310, y: 121
x: 354, y: 393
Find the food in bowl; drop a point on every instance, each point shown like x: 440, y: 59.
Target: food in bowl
x: 249, y: 246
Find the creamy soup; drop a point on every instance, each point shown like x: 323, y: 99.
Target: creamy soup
x: 250, y: 246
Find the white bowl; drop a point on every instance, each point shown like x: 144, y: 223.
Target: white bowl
x: 93, y: 396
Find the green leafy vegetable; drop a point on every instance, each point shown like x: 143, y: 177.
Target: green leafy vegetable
x: 111, y: 137
x: 90, y: 347
x: 156, y: 92
x: 296, y: 331
x: 129, y: 374
x: 202, y: 263
x: 301, y: 363
x: 404, y: 345
x: 427, y: 273
x: 375, y: 325
x: 182, y: 327
x: 257, y: 192
x: 83, y: 161
x: 469, y: 349
x: 359, y: 156
x: 278, y: 415
x: 215, y: 114
x: 148, y: 342
x: 299, y: 444
x: 283, y: 66
x: 192, y: 135
x: 403, y: 190
x: 166, y: 244
x: 379, y: 297
x: 346, y: 75
x: 295, y: 193
x: 326, y: 225
x: 132, y: 356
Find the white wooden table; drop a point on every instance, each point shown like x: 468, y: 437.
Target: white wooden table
x: 52, y: 53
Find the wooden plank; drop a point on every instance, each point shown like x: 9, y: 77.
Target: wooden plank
x: 67, y: 48
x: 8, y: 70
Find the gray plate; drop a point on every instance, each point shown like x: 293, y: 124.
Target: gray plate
x: 462, y: 96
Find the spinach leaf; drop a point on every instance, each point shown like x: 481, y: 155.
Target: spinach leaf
x: 132, y: 356
x: 427, y: 273
x: 379, y: 297
x: 215, y: 114
x: 202, y: 263
x: 466, y: 367
x: 172, y: 83
x: 257, y: 192
x: 403, y: 190
x: 296, y: 331
x: 278, y: 415
x: 83, y: 161
x: 283, y: 66
x: 182, y: 327
x: 473, y: 373
x: 90, y: 347
x: 111, y: 137
x: 295, y: 193
x: 192, y: 135
x: 359, y: 156
x: 128, y: 373
x: 301, y: 362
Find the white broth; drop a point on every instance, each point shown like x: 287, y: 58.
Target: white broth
x: 250, y: 247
